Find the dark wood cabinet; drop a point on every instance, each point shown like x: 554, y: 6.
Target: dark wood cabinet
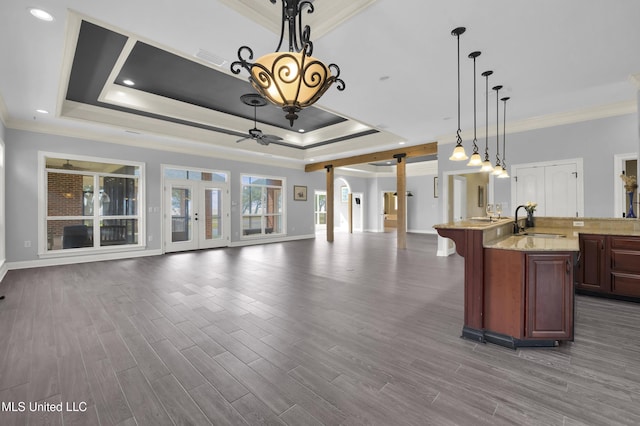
x: 591, y: 271
x: 549, y: 300
x: 609, y: 266
x: 625, y: 265
x: 528, y: 297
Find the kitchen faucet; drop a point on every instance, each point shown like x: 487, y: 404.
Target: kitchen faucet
x: 516, y: 226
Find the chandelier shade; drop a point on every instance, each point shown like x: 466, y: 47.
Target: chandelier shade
x: 292, y: 80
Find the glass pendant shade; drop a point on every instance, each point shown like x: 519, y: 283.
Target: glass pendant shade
x: 487, y: 166
x: 497, y: 170
x: 475, y: 160
x: 459, y: 154
x: 503, y: 173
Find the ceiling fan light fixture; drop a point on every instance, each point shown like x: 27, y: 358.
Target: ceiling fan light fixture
x: 292, y: 80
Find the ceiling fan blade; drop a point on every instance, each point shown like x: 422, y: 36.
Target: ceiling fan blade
x: 263, y: 141
x: 242, y: 139
x: 272, y: 138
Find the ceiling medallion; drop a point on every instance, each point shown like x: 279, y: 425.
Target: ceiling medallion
x: 292, y: 80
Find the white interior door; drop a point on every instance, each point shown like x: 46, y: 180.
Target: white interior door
x: 358, y: 211
x: 561, y: 192
x: 459, y: 198
x: 554, y: 187
x: 197, y: 215
x: 530, y: 187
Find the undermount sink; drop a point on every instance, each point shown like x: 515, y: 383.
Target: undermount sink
x: 543, y: 235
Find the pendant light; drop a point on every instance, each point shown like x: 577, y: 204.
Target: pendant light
x: 475, y: 159
x: 458, y: 152
x: 292, y: 80
x: 504, y: 173
x: 486, y: 164
x: 498, y: 168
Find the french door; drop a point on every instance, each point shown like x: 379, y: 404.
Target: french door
x: 196, y: 215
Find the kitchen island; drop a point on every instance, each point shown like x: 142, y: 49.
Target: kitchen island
x: 519, y: 289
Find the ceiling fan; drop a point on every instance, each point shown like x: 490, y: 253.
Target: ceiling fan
x: 255, y: 100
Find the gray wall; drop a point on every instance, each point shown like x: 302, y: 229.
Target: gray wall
x: 22, y: 164
x: 595, y: 141
x: 422, y: 208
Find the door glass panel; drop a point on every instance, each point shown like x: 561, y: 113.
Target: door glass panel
x: 213, y: 213
x: 181, y: 208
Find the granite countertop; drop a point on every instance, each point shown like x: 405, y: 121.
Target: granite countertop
x: 471, y: 223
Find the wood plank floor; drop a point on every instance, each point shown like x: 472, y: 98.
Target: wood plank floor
x: 298, y: 333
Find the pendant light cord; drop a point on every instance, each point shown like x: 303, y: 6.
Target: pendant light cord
x: 459, y: 138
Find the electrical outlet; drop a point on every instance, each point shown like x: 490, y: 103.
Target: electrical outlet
x: 27, y: 244
x: 150, y: 238
x: 578, y: 223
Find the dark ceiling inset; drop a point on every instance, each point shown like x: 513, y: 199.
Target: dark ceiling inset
x: 171, y: 76
x: 161, y: 73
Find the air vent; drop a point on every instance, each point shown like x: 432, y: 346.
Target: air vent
x: 211, y: 58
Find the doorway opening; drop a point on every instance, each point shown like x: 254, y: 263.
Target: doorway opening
x: 627, y: 163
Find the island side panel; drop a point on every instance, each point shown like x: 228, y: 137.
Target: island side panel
x: 504, y: 293
x: 469, y: 245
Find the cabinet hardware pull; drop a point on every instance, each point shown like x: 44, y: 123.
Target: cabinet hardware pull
x: 568, y: 266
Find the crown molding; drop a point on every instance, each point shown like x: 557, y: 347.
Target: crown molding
x: 149, y: 142
x: 552, y: 120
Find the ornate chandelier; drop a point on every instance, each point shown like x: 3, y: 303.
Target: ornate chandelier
x: 292, y: 80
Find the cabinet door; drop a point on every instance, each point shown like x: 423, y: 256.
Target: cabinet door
x: 549, y: 304
x: 591, y: 271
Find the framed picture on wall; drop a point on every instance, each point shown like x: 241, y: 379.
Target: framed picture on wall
x: 435, y: 187
x: 299, y: 193
x: 344, y: 194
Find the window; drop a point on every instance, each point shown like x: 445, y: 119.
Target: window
x: 262, y: 205
x: 91, y: 204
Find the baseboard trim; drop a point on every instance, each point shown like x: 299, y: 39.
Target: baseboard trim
x: 56, y: 261
x: 257, y: 241
x: 423, y: 231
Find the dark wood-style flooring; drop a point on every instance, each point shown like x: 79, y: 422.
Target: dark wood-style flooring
x: 299, y: 333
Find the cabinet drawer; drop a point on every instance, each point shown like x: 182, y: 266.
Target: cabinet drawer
x: 625, y: 243
x: 624, y: 260
x: 625, y: 284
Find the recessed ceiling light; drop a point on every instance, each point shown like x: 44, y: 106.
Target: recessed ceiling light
x: 312, y: 159
x: 42, y: 111
x: 388, y: 162
x: 401, y: 143
x: 129, y: 82
x: 41, y: 14
x: 301, y: 130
